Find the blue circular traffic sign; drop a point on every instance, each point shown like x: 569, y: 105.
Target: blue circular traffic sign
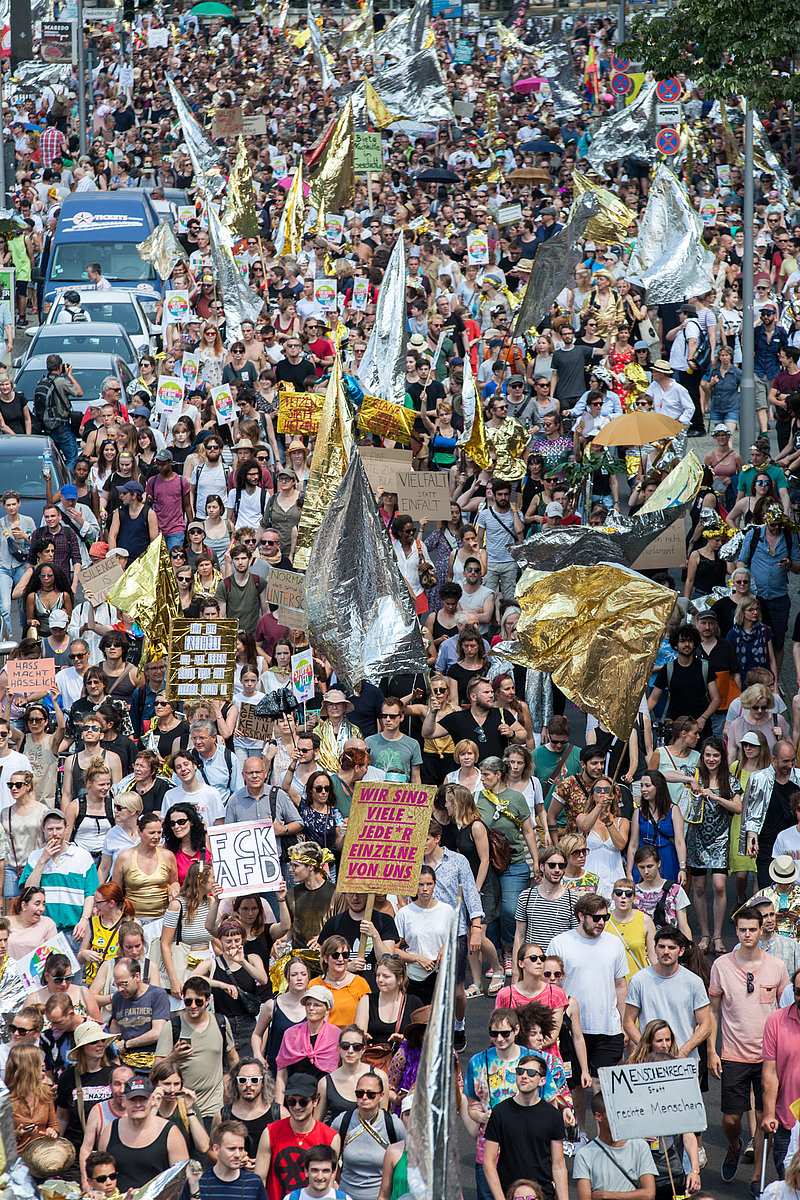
x: 620, y: 64
x: 668, y: 140
x: 668, y: 89
x: 621, y: 84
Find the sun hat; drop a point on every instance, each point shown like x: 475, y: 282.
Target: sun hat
x: 784, y: 869
x: 85, y: 1035
x: 335, y: 696
x: 662, y: 365
x: 318, y: 992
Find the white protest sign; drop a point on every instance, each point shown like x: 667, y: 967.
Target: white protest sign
x: 646, y: 1100
x: 303, y: 675
x: 222, y: 398
x: 176, y: 307
x: 477, y: 248
x: 157, y: 39
x: 31, y: 966
x: 360, y: 295
x: 125, y: 77
x: 245, y: 857
x: 170, y: 392
x: 325, y: 291
x: 190, y: 368
x: 334, y: 228
x: 186, y: 213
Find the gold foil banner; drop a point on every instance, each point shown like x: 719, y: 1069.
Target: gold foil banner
x: 632, y: 131
x: 415, y: 88
x: 762, y: 150
x: 289, y: 237
x: 299, y: 412
x: 240, y: 214
x: 332, y: 183
x: 148, y: 592
x: 382, y: 371
x: 240, y: 301
x: 680, y: 487
x: 203, y: 153
x: 332, y: 451
x: 162, y: 250
x: 510, y: 41
x: 611, y: 225
x: 385, y: 842
x: 359, y: 33
x: 670, y: 259
x: 380, y: 114
x: 360, y: 610
x: 201, y: 664
x: 473, y: 438
x: 597, y: 630
x: 386, y: 419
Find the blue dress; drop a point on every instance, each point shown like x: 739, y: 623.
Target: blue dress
x: 660, y: 834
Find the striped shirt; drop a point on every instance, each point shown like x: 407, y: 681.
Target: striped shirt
x: 544, y: 919
x: 67, y: 883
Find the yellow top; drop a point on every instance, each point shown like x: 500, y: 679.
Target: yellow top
x: 147, y: 893
x: 631, y: 934
x: 105, y: 941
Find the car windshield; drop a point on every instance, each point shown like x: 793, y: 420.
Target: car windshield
x: 122, y: 314
x: 120, y: 261
x: 85, y: 342
x: 90, y: 379
x: 18, y: 476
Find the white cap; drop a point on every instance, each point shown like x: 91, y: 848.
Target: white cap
x: 554, y: 509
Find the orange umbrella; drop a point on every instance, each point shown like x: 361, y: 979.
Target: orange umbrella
x: 636, y: 429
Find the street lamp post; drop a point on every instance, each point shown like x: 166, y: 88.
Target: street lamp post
x: 747, y: 400
x: 81, y: 82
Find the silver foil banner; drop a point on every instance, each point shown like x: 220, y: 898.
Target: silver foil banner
x: 632, y: 131
x: 161, y: 249
x: 782, y: 181
x: 360, y: 611
x: 202, y: 151
x: 415, y: 88
x: 558, y: 68
x: 382, y: 371
x: 554, y: 264
x: 321, y: 53
x: 670, y: 259
x: 431, y: 1140
x: 241, y: 303
x: 35, y: 76
x: 359, y: 33
x: 13, y: 992
x: 166, y: 1186
x: 407, y: 33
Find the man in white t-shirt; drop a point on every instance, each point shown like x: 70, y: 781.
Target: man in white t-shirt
x: 423, y: 926
x: 595, y: 967
x: 194, y: 791
x: 209, y: 478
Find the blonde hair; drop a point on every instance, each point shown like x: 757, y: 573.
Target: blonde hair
x: 465, y: 744
x: 97, y: 766
x: 465, y: 810
x: 24, y: 1075
x: 752, y: 695
x: 570, y: 842
x: 130, y: 801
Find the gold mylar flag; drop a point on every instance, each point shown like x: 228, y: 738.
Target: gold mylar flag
x: 332, y: 451
x: 333, y: 182
x: 377, y: 109
x: 148, y: 592
x: 597, y: 630
x: 473, y: 439
x: 386, y: 419
x: 637, y: 78
x: 611, y: 224
x: 680, y: 486
x: 240, y: 214
x: 289, y: 238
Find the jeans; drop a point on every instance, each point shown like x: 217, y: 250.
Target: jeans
x: 482, y: 1189
x: 780, y: 1144
x: 174, y: 539
x: 63, y: 437
x: 9, y: 578
x: 512, y: 884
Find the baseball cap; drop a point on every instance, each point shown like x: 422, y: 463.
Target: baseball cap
x: 69, y: 492
x: 554, y: 509
x: 749, y: 739
x: 132, y: 486
x: 141, y: 410
x: 164, y: 456
x: 138, y: 1087
x: 721, y: 427
x: 300, y: 1084
x: 58, y: 619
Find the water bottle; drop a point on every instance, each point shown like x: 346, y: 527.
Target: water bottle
x: 46, y: 460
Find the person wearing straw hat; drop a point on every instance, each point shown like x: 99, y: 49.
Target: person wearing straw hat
x: 86, y: 1083
x: 333, y: 729
x: 670, y: 397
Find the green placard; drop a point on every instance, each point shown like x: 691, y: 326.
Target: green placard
x: 463, y: 52
x: 367, y: 155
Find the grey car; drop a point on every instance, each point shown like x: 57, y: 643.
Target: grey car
x: 82, y: 338
x: 88, y: 369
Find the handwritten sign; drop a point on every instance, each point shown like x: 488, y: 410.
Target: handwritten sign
x: 424, y: 495
x: 645, y: 1100
x: 367, y: 153
x: 254, y: 125
x: 382, y: 466
x: 386, y: 833
x: 202, y: 659
x: 30, y: 967
x: 251, y: 726
x: 245, y: 857
x: 386, y: 419
x: 228, y: 122
x: 667, y: 550
x: 100, y: 577
x: 303, y: 675
x: 299, y: 412
x: 31, y: 674
x: 287, y: 589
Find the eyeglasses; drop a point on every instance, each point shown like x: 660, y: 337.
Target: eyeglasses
x: 751, y: 986
x: 553, y: 974
x: 623, y: 892
x: 104, y: 1178
x: 244, y: 1079
x: 351, y: 1045
x: 759, y: 707
x: 600, y: 789
x: 60, y: 978
x: 599, y: 916
x: 198, y: 1002
x: 363, y: 1094
x: 578, y: 853
x: 762, y: 483
x: 92, y: 729
x: 298, y: 1101
x: 339, y: 954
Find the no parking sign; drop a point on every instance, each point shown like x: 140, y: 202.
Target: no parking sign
x: 668, y: 141
x: 668, y: 89
x: 620, y: 84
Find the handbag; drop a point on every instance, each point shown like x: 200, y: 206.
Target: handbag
x: 250, y: 1002
x: 379, y: 1054
x: 499, y: 850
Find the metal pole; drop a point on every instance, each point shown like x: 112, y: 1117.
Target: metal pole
x: 620, y: 39
x: 3, y: 157
x: 81, y: 82
x: 747, y: 401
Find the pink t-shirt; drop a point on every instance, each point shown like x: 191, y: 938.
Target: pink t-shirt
x: 743, y: 1014
x: 782, y: 1045
x: 511, y: 997
x: 168, y: 503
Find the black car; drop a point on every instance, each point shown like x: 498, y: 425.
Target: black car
x: 21, y: 459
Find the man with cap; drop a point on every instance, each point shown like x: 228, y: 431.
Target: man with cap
x: 281, y: 1151
x: 68, y: 875
x: 686, y: 337
x: 171, y: 498
x: 670, y: 397
x: 142, y: 1143
x: 771, y: 553
x: 549, y: 226
x: 76, y: 516
x: 134, y: 524
x: 760, y: 463
x: 767, y: 810
x: 140, y: 419
x: 769, y: 338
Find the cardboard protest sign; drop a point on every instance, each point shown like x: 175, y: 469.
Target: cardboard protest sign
x: 31, y: 674
x: 287, y: 589
x: 100, y: 577
x: 31, y: 966
x: 386, y: 833
x: 228, y: 122
x: 201, y: 661
x: 424, y: 495
x: 303, y: 675
x: 245, y: 857
x: 647, y: 1100
x: 386, y: 418
x: 254, y: 125
x: 667, y: 550
x: 222, y: 399
x: 251, y: 726
x: 176, y: 307
x: 382, y: 466
x: 171, y: 391
x: 299, y: 412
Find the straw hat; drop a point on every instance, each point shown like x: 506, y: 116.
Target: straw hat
x: 87, y: 1033
x: 335, y: 697
x: 46, y: 1157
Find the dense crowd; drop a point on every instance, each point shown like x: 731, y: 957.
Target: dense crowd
x: 274, y: 1039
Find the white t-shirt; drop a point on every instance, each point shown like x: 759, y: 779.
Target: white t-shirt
x: 590, y: 967
x: 13, y: 761
x: 206, y: 800
x: 250, y: 507
x: 425, y: 931
x: 212, y: 482
x: 787, y: 842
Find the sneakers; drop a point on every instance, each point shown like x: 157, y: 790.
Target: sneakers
x: 507, y: 961
x: 730, y: 1163
x: 749, y: 1151
x: 460, y: 1042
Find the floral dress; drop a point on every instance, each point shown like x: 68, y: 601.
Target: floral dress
x: 617, y: 362
x: 708, y: 832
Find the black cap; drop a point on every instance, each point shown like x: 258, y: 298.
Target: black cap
x: 300, y: 1084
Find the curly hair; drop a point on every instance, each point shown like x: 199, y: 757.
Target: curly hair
x: 60, y: 581
x: 197, y: 829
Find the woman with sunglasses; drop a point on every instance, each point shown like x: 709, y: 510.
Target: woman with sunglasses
x: 758, y: 716
x: 346, y: 987
x: 187, y: 598
x: 185, y: 833
x: 576, y: 877
x: 634, y: 928
x: 468, y: 548
x: 281, y: 1013
x: 48, y: 590
x: 322, y: 821
x: 20, y: 830
x: 237, y: 979
x: 166, y: 727
x: 531, y: 985
x: 123, y: 834
x: 57, y: 981
x: 749, y: 510
x: 40, y: 744
x: 115, y: 646
x: 76, y: 765
x: 606, y: 833
x: 337, y: 1090
x: 101, y: 940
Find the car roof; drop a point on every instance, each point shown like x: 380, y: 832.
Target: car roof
x: 87, y: 328
x: 31, y: 443
x: 97, y: 359
x: 94, y: 297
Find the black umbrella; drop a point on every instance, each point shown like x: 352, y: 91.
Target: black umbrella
x: 438, y: 175
x: 276, y: 704
x: 540, y: 146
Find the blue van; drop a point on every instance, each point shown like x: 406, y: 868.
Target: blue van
x: 103, y: 227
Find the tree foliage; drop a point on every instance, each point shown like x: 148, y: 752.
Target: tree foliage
x: 730, y: 47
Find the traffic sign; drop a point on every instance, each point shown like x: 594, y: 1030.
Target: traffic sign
x: 620, y: 84
x: 668, y: 89
x: 668, y: 140
x: 669, y: 114
x: 620, y: 64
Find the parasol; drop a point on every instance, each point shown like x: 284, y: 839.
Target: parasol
x: 525, y: 86
x: 287, y: 182
x: 438, y: 175
x: 637, y: 429
x: 540, y: 146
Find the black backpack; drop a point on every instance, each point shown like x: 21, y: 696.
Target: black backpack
x: 45, y: 410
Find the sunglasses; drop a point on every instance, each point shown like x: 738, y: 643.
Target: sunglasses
x: 351, y: 1045
x: 339, y: 954
x: 557, y: 866
x: 494, y: 1034
x: 600, y: 917
x: 321, y: 788
x: 181, y: 821
x: 623, y: 892
x: 553, y: 974
x: 535, y: 958
x: 751, y: 986
x: 78, y: 654
x: 196, y: 1003
x: 21, y: 1030
x: 243, y: 1079
x: 363, y: 1094
x: 533, y: 1072
x: 104, y: 1178
x: 298, y: 1101
x: 17, y: 783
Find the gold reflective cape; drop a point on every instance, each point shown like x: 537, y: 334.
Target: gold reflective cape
x: 240, y: 214
x: 289, y: 238
x: 332, y: 452
x: 611, y: 224
x: 162, y: 250
x: 148, y: 592
x: 333, y: 182
x: 473, y: 439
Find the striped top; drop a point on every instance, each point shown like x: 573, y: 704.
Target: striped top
x: 67, y: 883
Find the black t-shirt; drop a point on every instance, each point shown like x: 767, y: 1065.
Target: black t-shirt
x: 96, y: 1086
x: 296, y: 373
x: 571, y: 365
x: 462, y: 724
x: 345, y: 926
x: 779, y: 816
x: 524, y: 1136
x: 721, y: 658
x: 688, y: 693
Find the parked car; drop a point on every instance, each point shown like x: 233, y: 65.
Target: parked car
x: 122, y: 307
x: 21, y: 471
x: 88, y: 337
x: 88, y: 369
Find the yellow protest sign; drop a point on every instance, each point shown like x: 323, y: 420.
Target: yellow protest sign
x: 386, y: 419
x: 299, y: 412
x: 386, y: 833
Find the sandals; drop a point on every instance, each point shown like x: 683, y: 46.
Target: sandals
x: 472, y: 992
x: 498, y: 982
x: 704, y: 944
x: 719, y: 946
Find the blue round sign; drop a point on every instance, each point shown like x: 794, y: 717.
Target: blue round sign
x: 620, y: 84
x: 668, y: 140
x: 620, y: 64
x: 668, y: 89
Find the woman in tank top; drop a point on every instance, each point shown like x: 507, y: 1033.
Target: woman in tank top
x: 337, y: 1090
x: 148, y: 873
x: 280, y: 1014
x: 90, y: 817
x: 634, y: 928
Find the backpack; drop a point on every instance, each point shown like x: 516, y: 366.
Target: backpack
x: 391, y: 1129
x: 81, y: 817
x: 671, y: 670
x: 287, y: 839
x: 238, y: 500
x: 202, y: 767
x: 45, y: 404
